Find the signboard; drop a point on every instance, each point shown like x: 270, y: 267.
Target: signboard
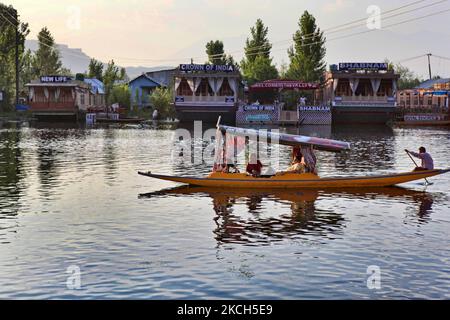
x: 423, y: 117
x: 257, y: 107
x: 54, y: 79
x: 208, y: 67
x: 284, y: 84
x: 258, y: 118
x: 343, y: 66
x: 314, y: 108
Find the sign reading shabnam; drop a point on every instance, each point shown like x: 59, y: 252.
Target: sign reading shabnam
x: 343, y: 66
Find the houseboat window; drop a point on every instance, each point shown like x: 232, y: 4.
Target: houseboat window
x: 385, y: 88
x: 204, y: 89
x: 343, y: 88
x: 184, y: 89
x: 225, y: 90
x: 82, y: 98
x: 364, y: 88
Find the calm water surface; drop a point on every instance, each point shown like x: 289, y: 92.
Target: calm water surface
x: 71, y: 197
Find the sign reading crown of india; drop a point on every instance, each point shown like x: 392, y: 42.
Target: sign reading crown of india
x: 208, y: 67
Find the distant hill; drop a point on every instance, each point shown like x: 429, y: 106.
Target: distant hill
x: 78, y: 61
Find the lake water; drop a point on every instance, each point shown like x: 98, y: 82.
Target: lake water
x: 70, y: 199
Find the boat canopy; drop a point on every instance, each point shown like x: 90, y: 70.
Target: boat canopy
x: 288, y: 139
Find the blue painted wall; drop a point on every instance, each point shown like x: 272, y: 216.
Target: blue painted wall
x: 142, y: 84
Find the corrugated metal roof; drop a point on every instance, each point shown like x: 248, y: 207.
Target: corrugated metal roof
x: 430, y: 83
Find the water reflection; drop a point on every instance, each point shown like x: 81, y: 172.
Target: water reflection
x: 11, y: 172
x: 255, y: 227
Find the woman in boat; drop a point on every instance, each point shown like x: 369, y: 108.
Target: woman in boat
x: 309, y: 158
x: 254, y: 166
x: 298, y: 165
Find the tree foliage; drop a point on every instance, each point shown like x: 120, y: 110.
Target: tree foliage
x: 161, y: 99
x: 47, y: 60
x: 258, y: 45
x: 9, y: 20
x: 120, y: 94
x: 215, y: 52
x: 111, y: 75
x: 95, y: 69
x: 408, y: 79
x: 308, y: 52
x: 257, y: 63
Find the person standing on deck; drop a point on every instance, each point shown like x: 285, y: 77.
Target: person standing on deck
x: 427, y: 160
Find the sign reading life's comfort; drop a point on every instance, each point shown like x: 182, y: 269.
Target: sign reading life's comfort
x: 207, y: 67
x: 54, y: 79
x: 363, y: 66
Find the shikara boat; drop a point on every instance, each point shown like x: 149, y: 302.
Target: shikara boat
x: 294, y: 180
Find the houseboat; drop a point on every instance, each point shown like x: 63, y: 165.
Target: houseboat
x: 206, y: 91
x: 361, y: 92
x: 61, y: 97
x: 427, y: 104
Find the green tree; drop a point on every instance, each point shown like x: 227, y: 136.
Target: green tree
x: 215, y: 52
x: 257, y: 65
x: 120, y: 94
x: 258, y: 44
x: 111, y: 75
x: 9, y: 21
x: 408, y: 79
x: 95, y: 69
x: 259, y: 70
x: 308, y: 52
x: 161, y: 100
x: 47, y: 60
x: 26, y: 68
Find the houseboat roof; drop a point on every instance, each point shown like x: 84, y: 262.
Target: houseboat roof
x: 152, y: 82
x: 429, y: 84
x: 363, y: 75
x: 71, y: 83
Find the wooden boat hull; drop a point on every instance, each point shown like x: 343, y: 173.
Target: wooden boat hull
x: 288, y: 181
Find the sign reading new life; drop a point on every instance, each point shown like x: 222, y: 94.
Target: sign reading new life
x: 54, y: 79
x: 208, y: 67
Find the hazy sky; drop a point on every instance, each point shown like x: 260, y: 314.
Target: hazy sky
x: 168, y: 32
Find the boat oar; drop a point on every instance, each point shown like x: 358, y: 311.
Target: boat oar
x: 417, y: 166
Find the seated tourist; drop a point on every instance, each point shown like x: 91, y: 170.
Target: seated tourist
x: 297, y: 166
x: 254, y: 166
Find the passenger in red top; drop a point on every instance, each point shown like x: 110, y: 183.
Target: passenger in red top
x: 254, y: 166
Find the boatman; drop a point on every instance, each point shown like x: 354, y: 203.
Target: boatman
x: 427, y: 160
